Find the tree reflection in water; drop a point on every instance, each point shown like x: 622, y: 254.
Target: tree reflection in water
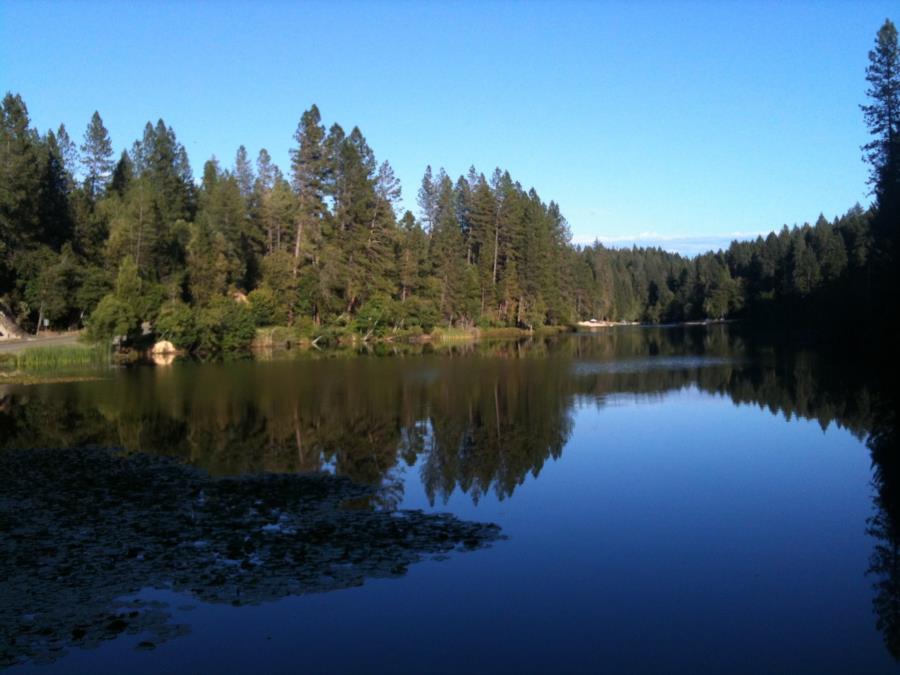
x: 884, y: 564
x: 476, y: 417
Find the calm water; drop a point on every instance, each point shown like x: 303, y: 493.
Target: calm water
x: 668, y: 500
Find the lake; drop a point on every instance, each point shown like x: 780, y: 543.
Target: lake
x: 683, y: 499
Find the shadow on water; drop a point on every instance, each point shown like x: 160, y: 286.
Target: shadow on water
x: 84, y: 529
x: 884, y: 526
x: 475, y: 418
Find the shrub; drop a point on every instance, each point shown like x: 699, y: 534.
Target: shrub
x: 113, y: 317
x: 265, y: 307
x: 420, y: 312
x: 224, y: 326
x: 176, y: 324
x: 377, y: 315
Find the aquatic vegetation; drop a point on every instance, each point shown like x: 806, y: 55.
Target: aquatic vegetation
x: 60, y: 356
x: 83, y: 531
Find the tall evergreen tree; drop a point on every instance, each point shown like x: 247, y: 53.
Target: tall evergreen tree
x: 882, y: 115
x: 483, y: 213
x: 208, y: 264
x: 447, y: 254
x: 97, y: 157
x: 122, y: 174
x: 243, y: 172
x: 309, y: 168
x: 223, y: 212
x: 53, y: 205
x: 427, y: 199
x: 20, y: 176
x: 412, y: 254
x: 68, y: 151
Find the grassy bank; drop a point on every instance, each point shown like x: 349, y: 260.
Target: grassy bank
x: 55, y: 357
x: 33, y: 360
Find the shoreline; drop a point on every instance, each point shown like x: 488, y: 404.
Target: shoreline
x: 63, y: 358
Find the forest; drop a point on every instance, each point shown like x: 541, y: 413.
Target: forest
x: 135, y: 245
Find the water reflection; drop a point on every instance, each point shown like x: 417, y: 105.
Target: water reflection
x: 884, y: 564
x: 479, y: 424
x: 475, y: 418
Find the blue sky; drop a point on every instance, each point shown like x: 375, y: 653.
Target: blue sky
x: 677, y: 124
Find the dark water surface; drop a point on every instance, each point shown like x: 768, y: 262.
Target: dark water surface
x: 641, y: 500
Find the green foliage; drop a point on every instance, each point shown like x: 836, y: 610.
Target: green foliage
x: 176, y: 323
x: 379, y: 314
x: 208, y: 267
x: 418, y: 312
x: 138, y: 243
x: 882, y: 115
x: 278, y: 277
x: 112, y: 318
x: 119, y: 314
x: 98, y: 157
x: 224, y: 326
x: 265, y: 307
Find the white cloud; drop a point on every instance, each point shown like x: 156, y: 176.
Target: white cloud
x: 684, y: 244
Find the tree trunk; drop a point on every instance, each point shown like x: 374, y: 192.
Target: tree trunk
x: 496, y: 249
x: 140, y: 229
x: 297, y: 248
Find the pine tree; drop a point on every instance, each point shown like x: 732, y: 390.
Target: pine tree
x: 463, y: 204
x: 387, y: 185
x: 309, y: 168
x: 208, y: 265
x: 133, y: 231
x: 829, y: 248
x: 70, y: 157
x: 267, y: 171
x: 122, y: 174
x: 243, y: 172
x: 20, y: 177
x: 54, y: 212
x: 283, y: 216
x: 882, y: 116
x: 223, y: 211
x: 427, y: 199
x: 447, y: 253
x: 169, y: 172
x: 365, y: 223
x: 412, y: 254
x: 803, y: 266
x: 483, y: 234
x: 97, y: 157
x: 508, y: 248
x: 266, y: 175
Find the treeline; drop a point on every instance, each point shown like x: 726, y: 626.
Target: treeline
x: 134, y: 245
x: 792, y: 274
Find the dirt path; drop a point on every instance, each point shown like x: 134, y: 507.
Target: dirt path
x: 12, y: 346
